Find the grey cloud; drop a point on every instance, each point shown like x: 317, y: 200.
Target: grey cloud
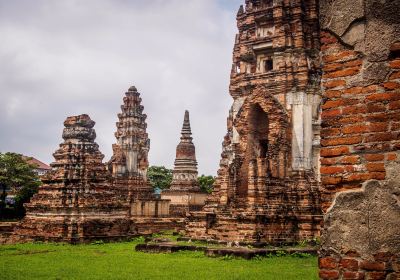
x: 60, y: 58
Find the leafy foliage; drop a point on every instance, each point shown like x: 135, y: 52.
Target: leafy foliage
x: 160, y: 177
x: 17, y: 174
x: 206, y: 183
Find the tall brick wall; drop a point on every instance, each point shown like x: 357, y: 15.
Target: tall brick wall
x: 360, y: 139
x: 360, y: 123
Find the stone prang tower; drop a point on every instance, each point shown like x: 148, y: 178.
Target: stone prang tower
x: 267, y: 184
x: 129, y: 162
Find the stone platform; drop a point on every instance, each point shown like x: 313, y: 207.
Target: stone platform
x: 242, y: 252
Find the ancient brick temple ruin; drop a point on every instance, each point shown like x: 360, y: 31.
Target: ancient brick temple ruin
x: 82, y: 199
x: 76, y: 201
x: 267, y: 189
x: 184, y: 192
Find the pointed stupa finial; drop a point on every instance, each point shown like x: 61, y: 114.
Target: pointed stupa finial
x: 186, y: 131
x: 240, y: 11
x: 132, y: 88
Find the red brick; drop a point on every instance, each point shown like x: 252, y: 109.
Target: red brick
x: 327, y: 38
x: 333, y: 93
x: 355, y: 129
x: 394, y: 105
x: 356, y: 62
x: 350, y: 264
x: 326, y: 132
x: 352, y: 254
x: 333, y: 66
x: 391, y: 156
x: 395, y: 126
x: 351, y: 275
x: 328, y: 274
x: 376, y: 275
x: 342, y: 73
x: 395, y: 47
x: 383, y: 96
x: 376, y: 107
x: 378, y: 127
x: 378, y: 175
x: 374, y: 157
x: 328, y: 262
x: 371, y: 88
x: 349, y: 168
x: 341, y: 141
x: 332, y: 152
x: 339, y: 56
x: 394, y: 116
x: 395, y: 64
x: 351, y: 119
x: 375, y: 167
x: 353, y: 110
x: 332, y: 104
x: 379, y: 137
x: 328, y: 161
x: 350, y: 160
x: 395, y: 75
x: 379, y: 117
x: 353, y: 90
x: 331, y: 169
x: 330, y: 113
x: 357, y: 177
x: 391, y: 85
x: 329, y: 180
x: 334, y: 83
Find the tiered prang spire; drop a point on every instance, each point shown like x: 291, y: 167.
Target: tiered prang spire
x: 130, y: 153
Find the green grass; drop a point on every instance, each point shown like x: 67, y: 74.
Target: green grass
x: 120, y: 261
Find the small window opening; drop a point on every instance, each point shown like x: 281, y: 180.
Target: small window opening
x: 268, y: 65
x: 238, y: 67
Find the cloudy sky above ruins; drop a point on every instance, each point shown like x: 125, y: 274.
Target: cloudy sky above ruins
x: 68, y: 57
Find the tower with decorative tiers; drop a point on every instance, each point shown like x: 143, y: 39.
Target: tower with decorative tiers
x: 184, y: 192
x: 267, y: 184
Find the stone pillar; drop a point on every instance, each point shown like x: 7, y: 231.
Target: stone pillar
x: 301, y: 130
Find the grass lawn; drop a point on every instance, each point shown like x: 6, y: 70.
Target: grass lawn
x: 120, y: 261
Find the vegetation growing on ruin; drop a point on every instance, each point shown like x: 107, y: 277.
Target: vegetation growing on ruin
x: 120, y: 261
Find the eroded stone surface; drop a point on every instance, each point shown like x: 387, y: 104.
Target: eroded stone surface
x: 366, y: 221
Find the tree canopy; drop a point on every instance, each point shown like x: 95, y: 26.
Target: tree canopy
x: 159, y: 177
x: 17, y: 175
x: 206, y: 183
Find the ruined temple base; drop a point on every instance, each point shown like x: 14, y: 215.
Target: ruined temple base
x: 74, y: 231
x: 287, y: 213
x: 183, y: 202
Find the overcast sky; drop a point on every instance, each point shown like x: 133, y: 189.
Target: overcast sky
x: 69, y: 57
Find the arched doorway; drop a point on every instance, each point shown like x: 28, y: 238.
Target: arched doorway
x: 257, y: 144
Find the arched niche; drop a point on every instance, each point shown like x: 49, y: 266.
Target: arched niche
x: 264, y: 137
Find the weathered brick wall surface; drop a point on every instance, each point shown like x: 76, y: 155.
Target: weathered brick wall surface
x: 360, y: 139
x: 360, y: 123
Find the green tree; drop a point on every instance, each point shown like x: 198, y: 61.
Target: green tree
x: 17, y: 174
x: 206, y: 183
x: 159, y: 177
